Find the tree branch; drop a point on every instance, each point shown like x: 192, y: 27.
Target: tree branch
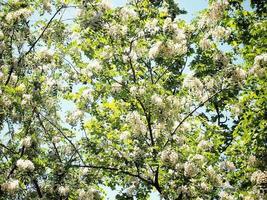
x: 63, y: 134
x: 193, y: 111
x: 115, y: 169
x: 32, y: 46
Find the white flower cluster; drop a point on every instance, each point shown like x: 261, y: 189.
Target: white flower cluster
x: 213, y: 176
x: 26, y: 142
x: 169, y: 156
x: 56, y: 139
x: 18, y: 14
x: 154, y: 50
x: 258, y: 68
x: 152, y: 26
x: 47, y: 5
x: 128, y: 13
x: 259, y: 177
x: 204, y: 187
x: 227, y: 165
x: 220, y: 32
x: 136, y: 123
x: 10, y: 186
x: 190, y: 169
x: 129, y: 55
x: 26, y: 98
x: 174, y: 47
x: 63, y: 190
x: 194, y: 85
x: 124, y: 135
x: 225, y: 196
x: 95, y: 65
x: 92, y: 194
x: 205, y: 145
x: 205, y: 43
x: 116, y: 87
x: 239, y: 75
x: 216, y: 11
x: 25, y: 165
x: 252, y: 160
x: 157, y: 100
x: 261, y: 59
x: 116, y: 30
x: 105, y: 4
x: 74, y: 116
x: 137, y: 91
x: 1, y: 35
x: 87, y: 94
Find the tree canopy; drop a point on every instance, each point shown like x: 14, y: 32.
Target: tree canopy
x: 157, y: 103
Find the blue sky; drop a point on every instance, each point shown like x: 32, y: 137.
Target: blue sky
x: 191, y: 6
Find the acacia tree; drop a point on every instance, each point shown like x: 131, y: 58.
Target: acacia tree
x: 160, y: 104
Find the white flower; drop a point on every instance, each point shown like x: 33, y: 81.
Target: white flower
x: 204, y: 145
x: 26, y: 142
x: 56, y: 139
x: 128, y: 13
x: 130, y: 190
x: 252, y: 160
x: 26, y: 98
x: 260, y: 59
x: 167, y: 24
x: 190, y: 169
x: 179, y: 36
x: 225, y: 196
x: 136, y: 123
x: 239, y: 74
x: 185, y: 126
x: 221, y: 33
x: 84, y: 171
x: 165, y: 156
x: 116, y: 87
x: 63, y: 190
x: 82, y: 194
x: 205, y: 44
x: 25, y: 165
x: 1, y: 35
x: 227, y: 165
x: 133, y: 90
x: 47, y: 5
x: 154, y: 50
x: 204, y: 186
x: 192, y: 83
x: 1, y: 75
x: 10, y: 186
x: 157, y: 100
x: 105, y: 4
x: 95, y: 65
x: 152, y: 26
x: 124, y: 135
x: 259, y: 177
x: 18, y: 14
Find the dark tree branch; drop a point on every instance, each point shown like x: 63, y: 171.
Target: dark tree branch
x: 148, y: 119
x: 54, y: 145
x: 35, y: 182
x: 32, y: 46
x: 63, y: 134
x: 117, y: 170
x: 192, y: 112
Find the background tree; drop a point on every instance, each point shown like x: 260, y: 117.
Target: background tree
x: 159, y: 104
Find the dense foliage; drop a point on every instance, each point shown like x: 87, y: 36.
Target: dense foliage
x: 134, y: 97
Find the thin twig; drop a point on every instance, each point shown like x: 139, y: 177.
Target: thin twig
x: 32, y: 46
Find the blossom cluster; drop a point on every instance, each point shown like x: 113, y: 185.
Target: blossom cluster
x: 25, y: 165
